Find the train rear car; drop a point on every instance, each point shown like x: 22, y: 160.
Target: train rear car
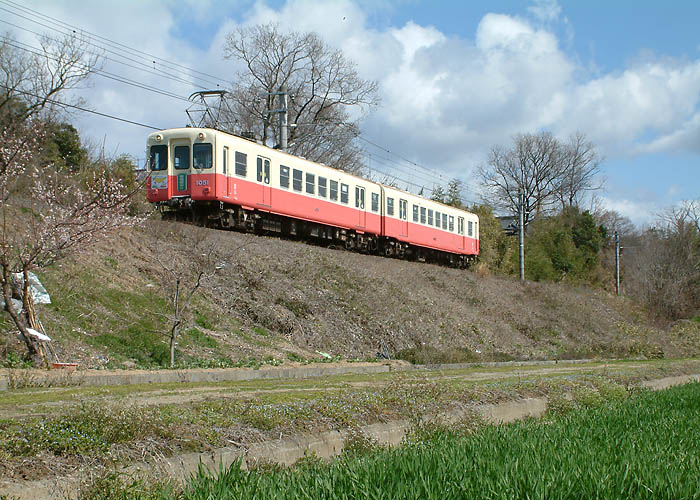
x: 432, y: 227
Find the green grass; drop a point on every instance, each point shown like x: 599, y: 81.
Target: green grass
x: 645, y: 447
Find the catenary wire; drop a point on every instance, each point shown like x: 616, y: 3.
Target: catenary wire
x: 66, y: 105
x: 72, y: 30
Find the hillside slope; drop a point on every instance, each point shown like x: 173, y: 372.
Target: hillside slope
x: 276, y: 301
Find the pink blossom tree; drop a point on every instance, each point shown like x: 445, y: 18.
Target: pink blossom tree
x: 46, y: 215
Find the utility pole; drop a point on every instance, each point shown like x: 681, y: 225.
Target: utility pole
x: 283, y: 95
x: 283, y: 109
x: 617, y: 263
x: 521, y: 213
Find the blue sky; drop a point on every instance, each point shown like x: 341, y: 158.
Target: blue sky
x: 456, y: 78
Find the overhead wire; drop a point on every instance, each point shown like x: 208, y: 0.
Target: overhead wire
x: 86, y: 110
x: 105, y: 74
x: 69, y: 29
x: 143, y: 66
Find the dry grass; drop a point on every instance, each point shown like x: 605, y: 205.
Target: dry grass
x: 280, y: 301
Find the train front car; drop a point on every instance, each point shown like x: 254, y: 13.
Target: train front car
x: 180, y: 167
x: 427, y: 229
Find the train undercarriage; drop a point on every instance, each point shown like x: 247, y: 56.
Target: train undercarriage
x: 233, y: 217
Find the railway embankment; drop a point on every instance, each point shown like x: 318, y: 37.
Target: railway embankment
x: 273, y: 302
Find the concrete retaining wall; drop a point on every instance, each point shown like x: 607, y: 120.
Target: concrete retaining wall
x: 59, y: 378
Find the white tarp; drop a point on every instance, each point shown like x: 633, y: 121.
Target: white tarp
x: 38, y: 335
x: 39, y: 293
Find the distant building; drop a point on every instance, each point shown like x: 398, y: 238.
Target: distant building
x: 509, y: 224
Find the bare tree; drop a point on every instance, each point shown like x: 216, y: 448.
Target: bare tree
x: 580, y: 167
x: 325, y: 88
x: 533, y: 166
x: 32, y: 79
x: 546, y: 171
x: 52, y: 216
x: 182, y: 283
x: 664, y: 273
x: 614, y: 222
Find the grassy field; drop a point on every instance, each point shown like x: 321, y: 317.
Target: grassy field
x: 646, y: 446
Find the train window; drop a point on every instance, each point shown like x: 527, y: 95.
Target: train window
x: 360, y: 197
x: 344, y: 193
x: 390, y: 206
x: 182, y: 157
x: 322, y: 182
x: 438, y: 218
x: 460, y: 225
x: 158, y: 159
x: 241, y: 164
x: 201, y: 155
x: 310, y: 183
x: 452, y: 223
x: 225, y: 160
x: 444, y: 221
x: 334, y: 190
x: 470, y: 228
x: 375, y: 202
x: 263, y: 170
x: 422, y: 215
x: 403, y: 208
x: 284, y: 176
x: 415, y: 213
x: 296, y: 179
x: 430, y: 217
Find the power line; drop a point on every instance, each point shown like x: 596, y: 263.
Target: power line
x: 63, y: 104
x: 62, y: 25
x: 105, y: 74
x: 142, y: 66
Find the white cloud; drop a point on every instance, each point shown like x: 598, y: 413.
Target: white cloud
x: 445, y: 99
x: 642, y: 213
x: 545, y: 10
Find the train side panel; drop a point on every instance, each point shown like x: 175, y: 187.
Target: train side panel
x: 429, y: 224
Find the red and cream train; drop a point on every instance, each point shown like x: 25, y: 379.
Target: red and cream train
x: 232, y: 182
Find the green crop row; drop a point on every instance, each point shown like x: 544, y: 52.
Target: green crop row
x: 646, y: 446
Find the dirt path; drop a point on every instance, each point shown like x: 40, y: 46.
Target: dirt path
x: 47, y: 401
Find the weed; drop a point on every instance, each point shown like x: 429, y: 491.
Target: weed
x: 299, y: 308
x: 429, y: 355
x: 358, y: 443
x: 13, y: 360
x: 261, y: 331
x: 203, y: 321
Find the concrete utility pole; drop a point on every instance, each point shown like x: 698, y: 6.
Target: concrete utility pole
x: 283, y: 110
x: 521, y: 213
x: 283, y: 94
x: 617, y: 263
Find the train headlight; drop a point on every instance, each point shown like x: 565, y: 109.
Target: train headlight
x: 159, y: 138
x: 201, y: 136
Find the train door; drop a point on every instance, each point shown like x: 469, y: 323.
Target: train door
x: 264, y: 180
x: 181, y: 167
x: 460, y: 231
x: 360, y: 205
x: 403, y: 216
x: 225, y: 171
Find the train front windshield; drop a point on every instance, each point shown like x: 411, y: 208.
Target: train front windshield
x: 158, y: 158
